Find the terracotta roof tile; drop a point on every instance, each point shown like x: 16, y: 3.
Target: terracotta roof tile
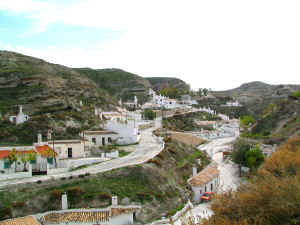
x: 4, y: 154
x: 205, y: 176
x: 28, y: 220
x: 100, y: 216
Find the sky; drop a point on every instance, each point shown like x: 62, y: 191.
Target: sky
x: 207, y: 43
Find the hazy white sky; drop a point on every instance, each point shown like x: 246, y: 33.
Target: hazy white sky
x: 215, y: 44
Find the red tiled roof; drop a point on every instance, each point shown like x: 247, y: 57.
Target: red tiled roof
x: 208, y: 174
x: 27, y: 220
x: 42, y: 149
x: 4, y: 154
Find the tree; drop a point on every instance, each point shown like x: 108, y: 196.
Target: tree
x: 297, y: 94
x: 205, y: 91
x: 13, y: 158
x: 254, y: 157
x: 24, y: 160
x: 199, y: 92
x: 247, y: 120
x: 238, y: 155
x: 149, y: 114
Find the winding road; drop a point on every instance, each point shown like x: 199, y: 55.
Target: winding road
x: 148, y: 148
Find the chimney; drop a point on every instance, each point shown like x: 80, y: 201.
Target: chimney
x: 114, y: 200
x: 194, y: 171
x: 64, y: 201
x: 49, y: 137
x: 39, y: 138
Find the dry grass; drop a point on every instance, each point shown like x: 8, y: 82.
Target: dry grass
x: 188, y: 139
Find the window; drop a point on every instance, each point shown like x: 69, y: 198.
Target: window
x: 94, y: 140
x: 205, y: 189
x: 211, y: 186
x: 200, y: 191
x: 109, y: 140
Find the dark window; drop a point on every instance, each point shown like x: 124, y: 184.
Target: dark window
x: 109, y: 140
x: 211, y: 186
x: 94, y: 140
x: 205, y: 189
x: 103, y: 141
x: 70, y: 153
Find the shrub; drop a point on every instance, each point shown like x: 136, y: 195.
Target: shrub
x: 19, y: 204
x: 81, y: 176
x: 105, y: 196
x: 297, y: 94
x: 75, y: 192
x: 155, y: 161
x: 142, y: 196
x: 5, y: 213
x: 55, y: 195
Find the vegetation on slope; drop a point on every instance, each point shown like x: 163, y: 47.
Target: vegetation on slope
x: 119, y: 83
x: 187, y: 122
x: 160, y: 185
x: 51, y: 96
x: 271, y: 197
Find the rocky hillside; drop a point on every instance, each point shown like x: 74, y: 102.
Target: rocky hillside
x: 119, y: 83
x: 159, y: 83
x: 256, y: 96
x: 279, y: 122
x: 51, y: 96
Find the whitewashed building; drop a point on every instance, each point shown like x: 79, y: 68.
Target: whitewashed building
x: 100, y: 137
x: 206, y: 180
x: 127, y: 131
x: 113, y: 215
x: 20, y: 117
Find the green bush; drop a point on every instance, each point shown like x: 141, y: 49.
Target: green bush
x: 297, y: 94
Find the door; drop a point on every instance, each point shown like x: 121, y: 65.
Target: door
x: 70, y: 155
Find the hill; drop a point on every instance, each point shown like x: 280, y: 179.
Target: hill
x: 51, y: 96
x: 256, y: 96
x: 119, y: 83
x: 159, y: 83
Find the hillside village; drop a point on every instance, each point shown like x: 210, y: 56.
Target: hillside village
x: 183, y: 143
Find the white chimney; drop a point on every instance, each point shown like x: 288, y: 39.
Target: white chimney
x: 114, y: 200
x: 49, y: 137
x: 194, y: 171
x: 64, y: 201
x: 20, y: 109
x: 39, y: 137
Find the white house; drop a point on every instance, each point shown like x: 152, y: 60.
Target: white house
x: 39, y: 163
x: 127, y: 131
x: 233, y: 104
x: 162, y: 101
x: 132, y: 104
x: 20, y: 118
x: 100, y: 137
x: 206, y: 181
x: 113, y: 215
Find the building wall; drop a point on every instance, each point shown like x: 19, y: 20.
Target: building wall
x: 127, y: 132
x: 200, y: 190
x: 62, y: 149
x: 99, y: 138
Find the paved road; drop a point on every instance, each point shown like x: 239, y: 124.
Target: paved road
x: 148, y: 148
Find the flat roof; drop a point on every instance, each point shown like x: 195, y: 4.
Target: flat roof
x: 99, y: 132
